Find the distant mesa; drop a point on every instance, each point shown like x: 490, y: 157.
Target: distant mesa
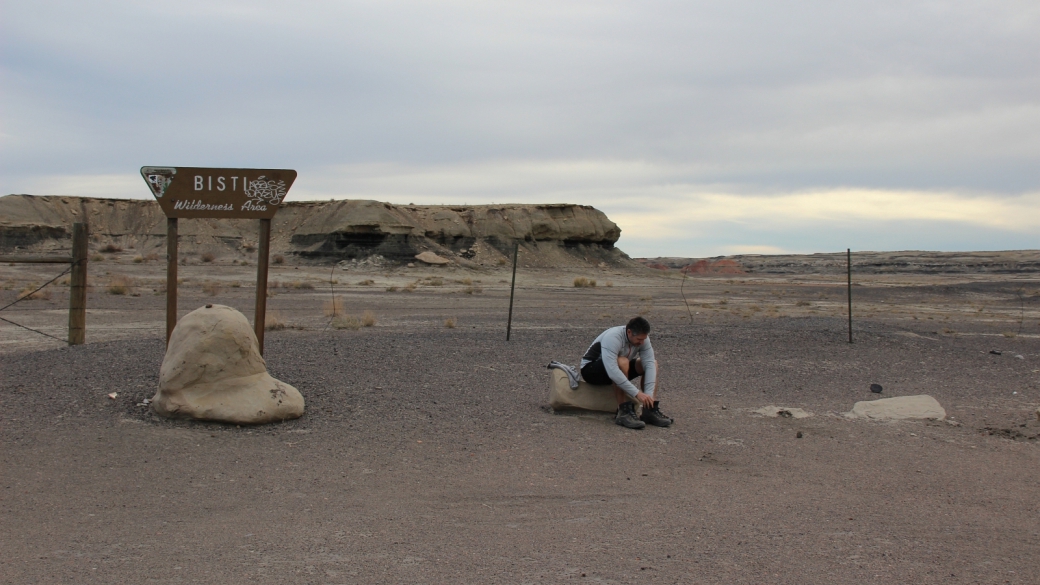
x: 834, y: 263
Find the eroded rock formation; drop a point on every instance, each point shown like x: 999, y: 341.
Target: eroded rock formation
x: 332, y: 230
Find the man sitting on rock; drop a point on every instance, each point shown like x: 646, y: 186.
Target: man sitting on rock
x: 618, y: 356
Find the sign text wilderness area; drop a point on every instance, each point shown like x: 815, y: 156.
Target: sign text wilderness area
x: 228, y: 193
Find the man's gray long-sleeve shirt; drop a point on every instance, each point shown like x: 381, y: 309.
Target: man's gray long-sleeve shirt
x: 614, y: 343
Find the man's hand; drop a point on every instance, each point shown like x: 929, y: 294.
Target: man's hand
x: 645, y: 399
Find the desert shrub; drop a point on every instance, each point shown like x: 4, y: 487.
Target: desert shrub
x: 97, y: 258
x: 208, y: 257
x: 368, y: 319
x: 302, y: 285
x: 608, y: 283
x: 119, y: 284
x: 138, y: 259
x: 151, y: 257
x: 582, y: 282
x: 278, y: 259
x: 274, y: 321
x: 236, y: 284
x: 366, y: 282
x: 211, y: 288
x: 466, y: 281
x: 391, y: 288
x: 435, y: 281
x: 333, y: 307
x: 469, y: 290
x: 449, y: 322
x: 802, y: 304
x: 248, y: 246
x: 502, y: 261
x: 346, y: 322
x: 111, y: 249
x: 410, y: 287
x: 1005, y: 334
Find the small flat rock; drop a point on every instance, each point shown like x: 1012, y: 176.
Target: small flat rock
x: 899, y: 408
x: 431, y: 258
x: 782, y: 411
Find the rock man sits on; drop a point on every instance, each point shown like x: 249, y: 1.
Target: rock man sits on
x: 618, y: 356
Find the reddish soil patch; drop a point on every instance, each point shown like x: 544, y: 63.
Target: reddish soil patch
x: 716, y: 267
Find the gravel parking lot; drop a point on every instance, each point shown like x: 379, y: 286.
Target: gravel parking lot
x: 428, y: 454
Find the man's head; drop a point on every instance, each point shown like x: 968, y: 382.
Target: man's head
x: 637, y: 330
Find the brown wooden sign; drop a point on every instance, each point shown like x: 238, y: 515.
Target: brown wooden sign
x: 221, y: 193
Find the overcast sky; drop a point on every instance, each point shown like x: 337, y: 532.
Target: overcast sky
x: 700, y: 128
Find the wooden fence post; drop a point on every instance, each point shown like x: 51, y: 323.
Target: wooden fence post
x: 78, y: 285
x: 260, y: 317
x: 171, y: 276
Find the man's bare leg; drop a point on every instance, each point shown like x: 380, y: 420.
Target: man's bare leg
x: 619, y: 394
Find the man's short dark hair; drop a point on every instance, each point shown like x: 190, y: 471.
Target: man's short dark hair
x: 638, y: 326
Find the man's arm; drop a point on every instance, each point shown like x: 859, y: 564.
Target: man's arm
x: 646, y: 355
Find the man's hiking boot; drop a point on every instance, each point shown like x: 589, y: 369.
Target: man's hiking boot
x: 654, y: 416
x: 626, y: 416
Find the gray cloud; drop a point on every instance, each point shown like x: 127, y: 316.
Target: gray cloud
x: 764, y: 97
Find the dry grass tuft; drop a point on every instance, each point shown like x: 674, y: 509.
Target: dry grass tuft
x: 435, y: 281
x: 138, y: 259
x: 278, y: 259
x: 302, y: 285
x: 449, y: 322
x: 119, y: 284
x: 346, y: 322
x: 28, y: 294
x: 151, y: 257
x: 391, y: 288
x: 366, y: 282
x: 1009, y: 334
x: 333, y: 307
x: 211, y: 288
x: 274, y: 321
x: 410, y: 287
x: 582, y: 282
x: 368, y: 319
x: 97, y: 258
x: 469, y: 290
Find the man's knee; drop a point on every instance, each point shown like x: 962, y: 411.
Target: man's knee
x: 623, y: 363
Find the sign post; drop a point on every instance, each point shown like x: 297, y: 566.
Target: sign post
x: 199, y: 192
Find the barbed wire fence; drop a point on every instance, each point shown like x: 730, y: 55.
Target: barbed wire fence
x: 731, y: 294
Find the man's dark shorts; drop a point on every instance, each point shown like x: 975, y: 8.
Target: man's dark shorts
x: 595, y: 373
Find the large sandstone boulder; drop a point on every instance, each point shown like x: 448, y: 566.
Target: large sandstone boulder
x: 584, y: 397
x: 899, y: 408
x: 213, y: 371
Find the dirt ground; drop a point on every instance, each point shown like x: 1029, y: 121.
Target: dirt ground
x: 428, y: 455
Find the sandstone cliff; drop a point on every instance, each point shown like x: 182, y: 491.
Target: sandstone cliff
x: 332, y: 230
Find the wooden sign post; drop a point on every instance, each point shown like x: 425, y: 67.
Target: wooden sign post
x: 198, y: 192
